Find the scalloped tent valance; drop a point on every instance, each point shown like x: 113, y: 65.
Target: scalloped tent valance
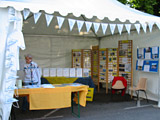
x: 111, y: 9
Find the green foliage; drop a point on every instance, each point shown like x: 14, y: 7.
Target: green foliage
x: 148, y: 6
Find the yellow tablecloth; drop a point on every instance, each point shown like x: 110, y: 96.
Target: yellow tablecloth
x: 60, y: 80
x: 52, y: 98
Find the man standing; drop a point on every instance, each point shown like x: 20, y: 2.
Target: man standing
x: 32, y: 74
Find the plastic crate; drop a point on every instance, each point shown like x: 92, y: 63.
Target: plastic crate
x: 90, y: 93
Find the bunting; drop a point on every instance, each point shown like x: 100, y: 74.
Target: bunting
x: 80, y: 24
x: 150, y: 25
x: 144, y: 26
x: 128, y: 28
x: 48, y: 19
x: 88, y: 25
x: 60, y: 21
x: 26, y: 13
x: 120, y: 28
x: 112, y: 28
x: 158, y: 25
x: 137, y: 26
x: 96, y: 26
x: 37, y: 16
x: 104, y: 27
x: 71, y: 23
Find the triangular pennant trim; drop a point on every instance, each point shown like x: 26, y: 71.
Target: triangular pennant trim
x: 104, y: 27
x: 26, y: 13
x: 144, y: 26
x: 112, y: 28
x: 150, y: 26
x: 36, y: 17
x: 137, y: 26
x: 96, y: 26
x: 128, y: 28
x: 120, y: 28
x: 80, y: 24
x: 60, y: 21
x: 71, y: 23
x: 88, y: 25
x: 158, y: 25
x: 48, y: 19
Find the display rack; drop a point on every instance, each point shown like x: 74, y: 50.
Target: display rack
x: 95, y: 65
x: 81, y: 58
x: 125, y: 61
x: 112, y: 65
x: 103, y: 76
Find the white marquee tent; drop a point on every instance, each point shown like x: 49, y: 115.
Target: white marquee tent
x: 49, y: 29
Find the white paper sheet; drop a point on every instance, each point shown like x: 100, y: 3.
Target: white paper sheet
x: 45, y: 72
x: 85, y: 72
x: 79, y: 72
x: 52, y: 72
x: 124, y: 46
x: 124, y: 60
x: 47, y: 86
x: 146, y: 68
x: 154, y: 50
x: 148, y: 55
x: 127, y: 67
x: 140, y: 62
x: 72, y: 72
x: 59, y: 72
x: 66, y: 72
x: 141, y: 52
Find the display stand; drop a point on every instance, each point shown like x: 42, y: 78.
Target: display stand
x: 103, y: 68
x: 95, y: 65
x: 112, y: 64
x: 125, y: 61
x: 81, y: 58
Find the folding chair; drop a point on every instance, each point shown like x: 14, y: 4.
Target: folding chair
x: 141, y: 86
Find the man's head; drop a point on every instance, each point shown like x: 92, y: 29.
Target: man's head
x: 28, y: 58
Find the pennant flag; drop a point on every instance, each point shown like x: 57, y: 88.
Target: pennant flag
x: 137, y: 27
x: 48, y: 19
x: 88, y: 25
x: 104, y: 27
x: 150, y: 26
x: 60, y: 21
x: 128, y: 28
x: 96, y: 26
x: 80, y: 24
x: 26, y: 13
x: 71, y: 23
x: 37, y: 16
x: 120, y: 28
x: 158, y: 25
x: 112, y: 28
x: 144, y: 26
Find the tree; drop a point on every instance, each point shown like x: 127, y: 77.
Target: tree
x: 148, y: 6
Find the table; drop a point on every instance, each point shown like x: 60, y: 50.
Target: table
x: 61, y: 80
x: 53, y: 98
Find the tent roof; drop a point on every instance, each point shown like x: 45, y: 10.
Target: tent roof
x: 100, y: 8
